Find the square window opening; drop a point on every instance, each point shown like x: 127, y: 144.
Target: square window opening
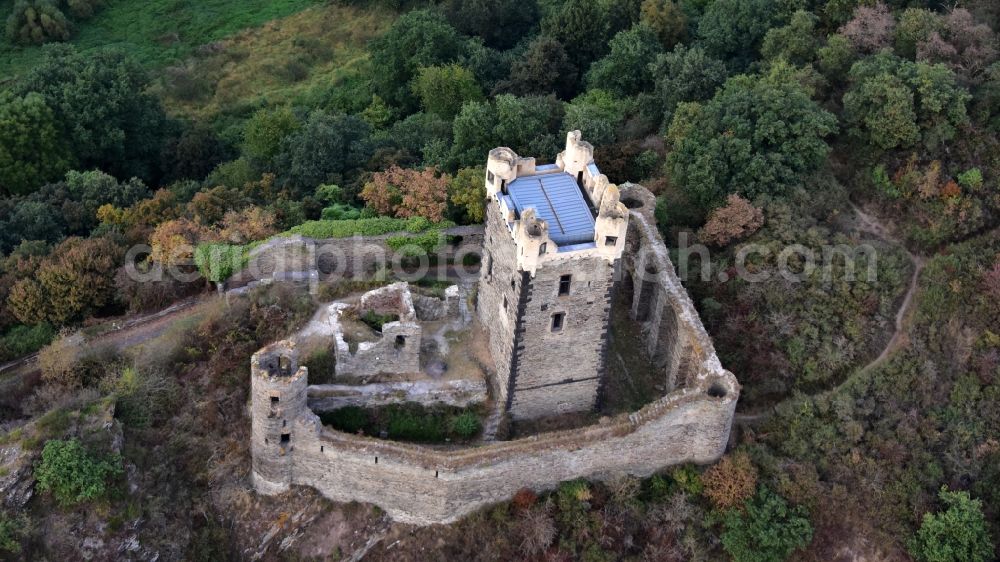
x: 564, y: 284
x: 558, y: 320
x: 400, y: 342
x: 611, y: 241
x: 286, y: 438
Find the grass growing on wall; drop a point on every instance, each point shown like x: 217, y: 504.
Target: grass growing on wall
x: 365, y: 227
x: 157, y: 32
x: 219, y: 261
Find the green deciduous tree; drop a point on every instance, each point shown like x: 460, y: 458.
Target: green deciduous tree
x: 915, y: 26
x: 544, y: 68
x: 768, y: 530
x: 625, y: 71
x: 753, y: 137
x: 33, y: 22
x: 101, y: 102
x: 192, y: 155
x: 265, y: 130
x: 895, y: 103
x: 499, y: 23
x: 734, y: 29
x: 467, y: 196
x: 582, y: 28
x: 323, y: 151
x: 666, y: 19
x: 796, y: 42
x: 417, y: 39
x: 598, y: 114
x: 32, y: 147
x: 957, y: 534
x: 528, y: 125
x: 686, y: 74
x: 72, y: 473
x: 443, y: 89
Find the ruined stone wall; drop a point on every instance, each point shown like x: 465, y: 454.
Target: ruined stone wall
x: 424, y: 485
x: 461, y: 393
x: 397, y: 350
x: 674, y: 337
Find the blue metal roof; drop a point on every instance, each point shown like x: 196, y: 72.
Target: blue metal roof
x: 592, y: 168
x: 559, y: 202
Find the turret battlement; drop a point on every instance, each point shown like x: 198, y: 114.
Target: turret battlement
x: 557, y: 211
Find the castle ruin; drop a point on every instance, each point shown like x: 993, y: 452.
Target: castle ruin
x: 559, y: 242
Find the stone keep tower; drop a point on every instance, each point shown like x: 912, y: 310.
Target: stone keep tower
x: 278, y: 392
x: 554, y: 235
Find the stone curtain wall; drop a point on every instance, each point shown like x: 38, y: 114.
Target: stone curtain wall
x: 420, y: 485
x: 676, y: 341
x: 461, y: 393
x: 423, y: 485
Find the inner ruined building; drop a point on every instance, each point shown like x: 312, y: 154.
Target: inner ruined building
x: 577, y: 316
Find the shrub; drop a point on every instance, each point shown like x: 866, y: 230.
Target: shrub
x: 731, y: 481
x: 349, y: 419
x: 23, y: 340
x: 340, y: 211
x: 142, y: 398
x: 420, y: 245
x: 465, y: 425
x: 736, y: 220
x: 322, y: 366
x: 768, y: 530
x: 957, y: 534
x: 525, y: 498
x: 363, y: 227
x: 13, y: 529
x: 687, y: 480
x: 218, y: 262
x: 72, y: 474
x: 375, y: 321
x: 68, y: 364
x: 656, y: 488
x: 971, y: 179
x: 412, y: 424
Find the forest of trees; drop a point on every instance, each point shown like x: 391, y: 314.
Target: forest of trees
x: 750, y: 120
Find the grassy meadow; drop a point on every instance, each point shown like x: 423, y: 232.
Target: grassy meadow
x: 297, y: 59
x: 157, y: 32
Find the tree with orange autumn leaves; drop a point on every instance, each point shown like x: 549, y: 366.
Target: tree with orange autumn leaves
x: 404, y: 193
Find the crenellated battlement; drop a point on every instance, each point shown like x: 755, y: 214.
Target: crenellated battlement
x: 544, y: 368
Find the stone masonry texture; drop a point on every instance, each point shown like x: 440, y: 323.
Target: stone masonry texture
x: 424, y: 485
